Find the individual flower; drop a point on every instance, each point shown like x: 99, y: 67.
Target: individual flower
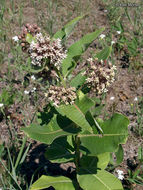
x: 34, y: 89
x: 112, y: 98
x: 118, y: 32
x: 99, y: 75
x: 136, y: 99
x: 26, y: 92
x: 112, y: 42
x: 101, y: 61
x: 61, y: 95
x: 45, y: 48
x: 33, y: 77
x: 1, y: 105
x: 15, y: 38
x: 102, y: 36
x: 120, y: 174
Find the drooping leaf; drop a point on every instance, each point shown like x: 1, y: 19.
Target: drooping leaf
x: 58, y: 126
x: 115, y: 132
x: 67, y: 29
x: 105, y: 53
x: 101, y: 180
x: 74, y: 113
x: 77, y: 49
x: 59, y: 151
x: 58, y: 183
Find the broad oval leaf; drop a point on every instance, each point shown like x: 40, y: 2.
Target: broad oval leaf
x: 83, y: 102
x: 58, y: 126
x: 74, y: 113
x: 102, y: 180
x: 59, y: 151
x: 59, y: 183
x: 115, y: 132
x: 77, y: 49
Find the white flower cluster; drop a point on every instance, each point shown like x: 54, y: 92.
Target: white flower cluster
x: 59, y: 95
x: 45, y: 48
x: 99, y: 75
x: 120, y: 174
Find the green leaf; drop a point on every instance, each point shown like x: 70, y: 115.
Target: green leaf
x: 59, y: 183
x: 119, y: 155
x: 58, y: 126
x: 78, y: 80
x: 105, y: 53
x: 93, y: 163
x: 77, y: 49
x: 115, y: 132
x: 74, y: 113
x: 102, y: 180
x: 59, y: 151
x: 95, y: 125
x: 67, y: 29
x: 83, y: 102
x: 30, y: 38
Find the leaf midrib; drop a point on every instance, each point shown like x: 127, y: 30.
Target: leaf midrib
x: 104, y: 135
x: 99, y: 179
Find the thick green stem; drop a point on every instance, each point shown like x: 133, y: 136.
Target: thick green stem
x: 61, y: 77
x: 77, y: 153
x: 77, y: 160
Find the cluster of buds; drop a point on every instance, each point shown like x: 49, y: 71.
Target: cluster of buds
x: 33, y: 29
x: 60, y: 95
x: 99, y: 75
x: 45, y: 48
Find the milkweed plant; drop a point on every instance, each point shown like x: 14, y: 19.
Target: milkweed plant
x: 70, y: 130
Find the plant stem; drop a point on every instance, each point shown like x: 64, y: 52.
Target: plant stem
x: 77, y: 153
x: 61, y: 77
x: 77, y: 160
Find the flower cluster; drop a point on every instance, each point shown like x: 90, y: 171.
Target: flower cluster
x: 99, y: 75
x: 33, y: 29
x: 59, y: 95
x: 47, y: 48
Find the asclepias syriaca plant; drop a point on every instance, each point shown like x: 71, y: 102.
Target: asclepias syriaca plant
x: 68, y: 127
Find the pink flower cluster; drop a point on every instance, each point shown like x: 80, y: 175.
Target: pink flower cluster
x: 99, y: 75
x: 59, y: 95
x: 46, y: 48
